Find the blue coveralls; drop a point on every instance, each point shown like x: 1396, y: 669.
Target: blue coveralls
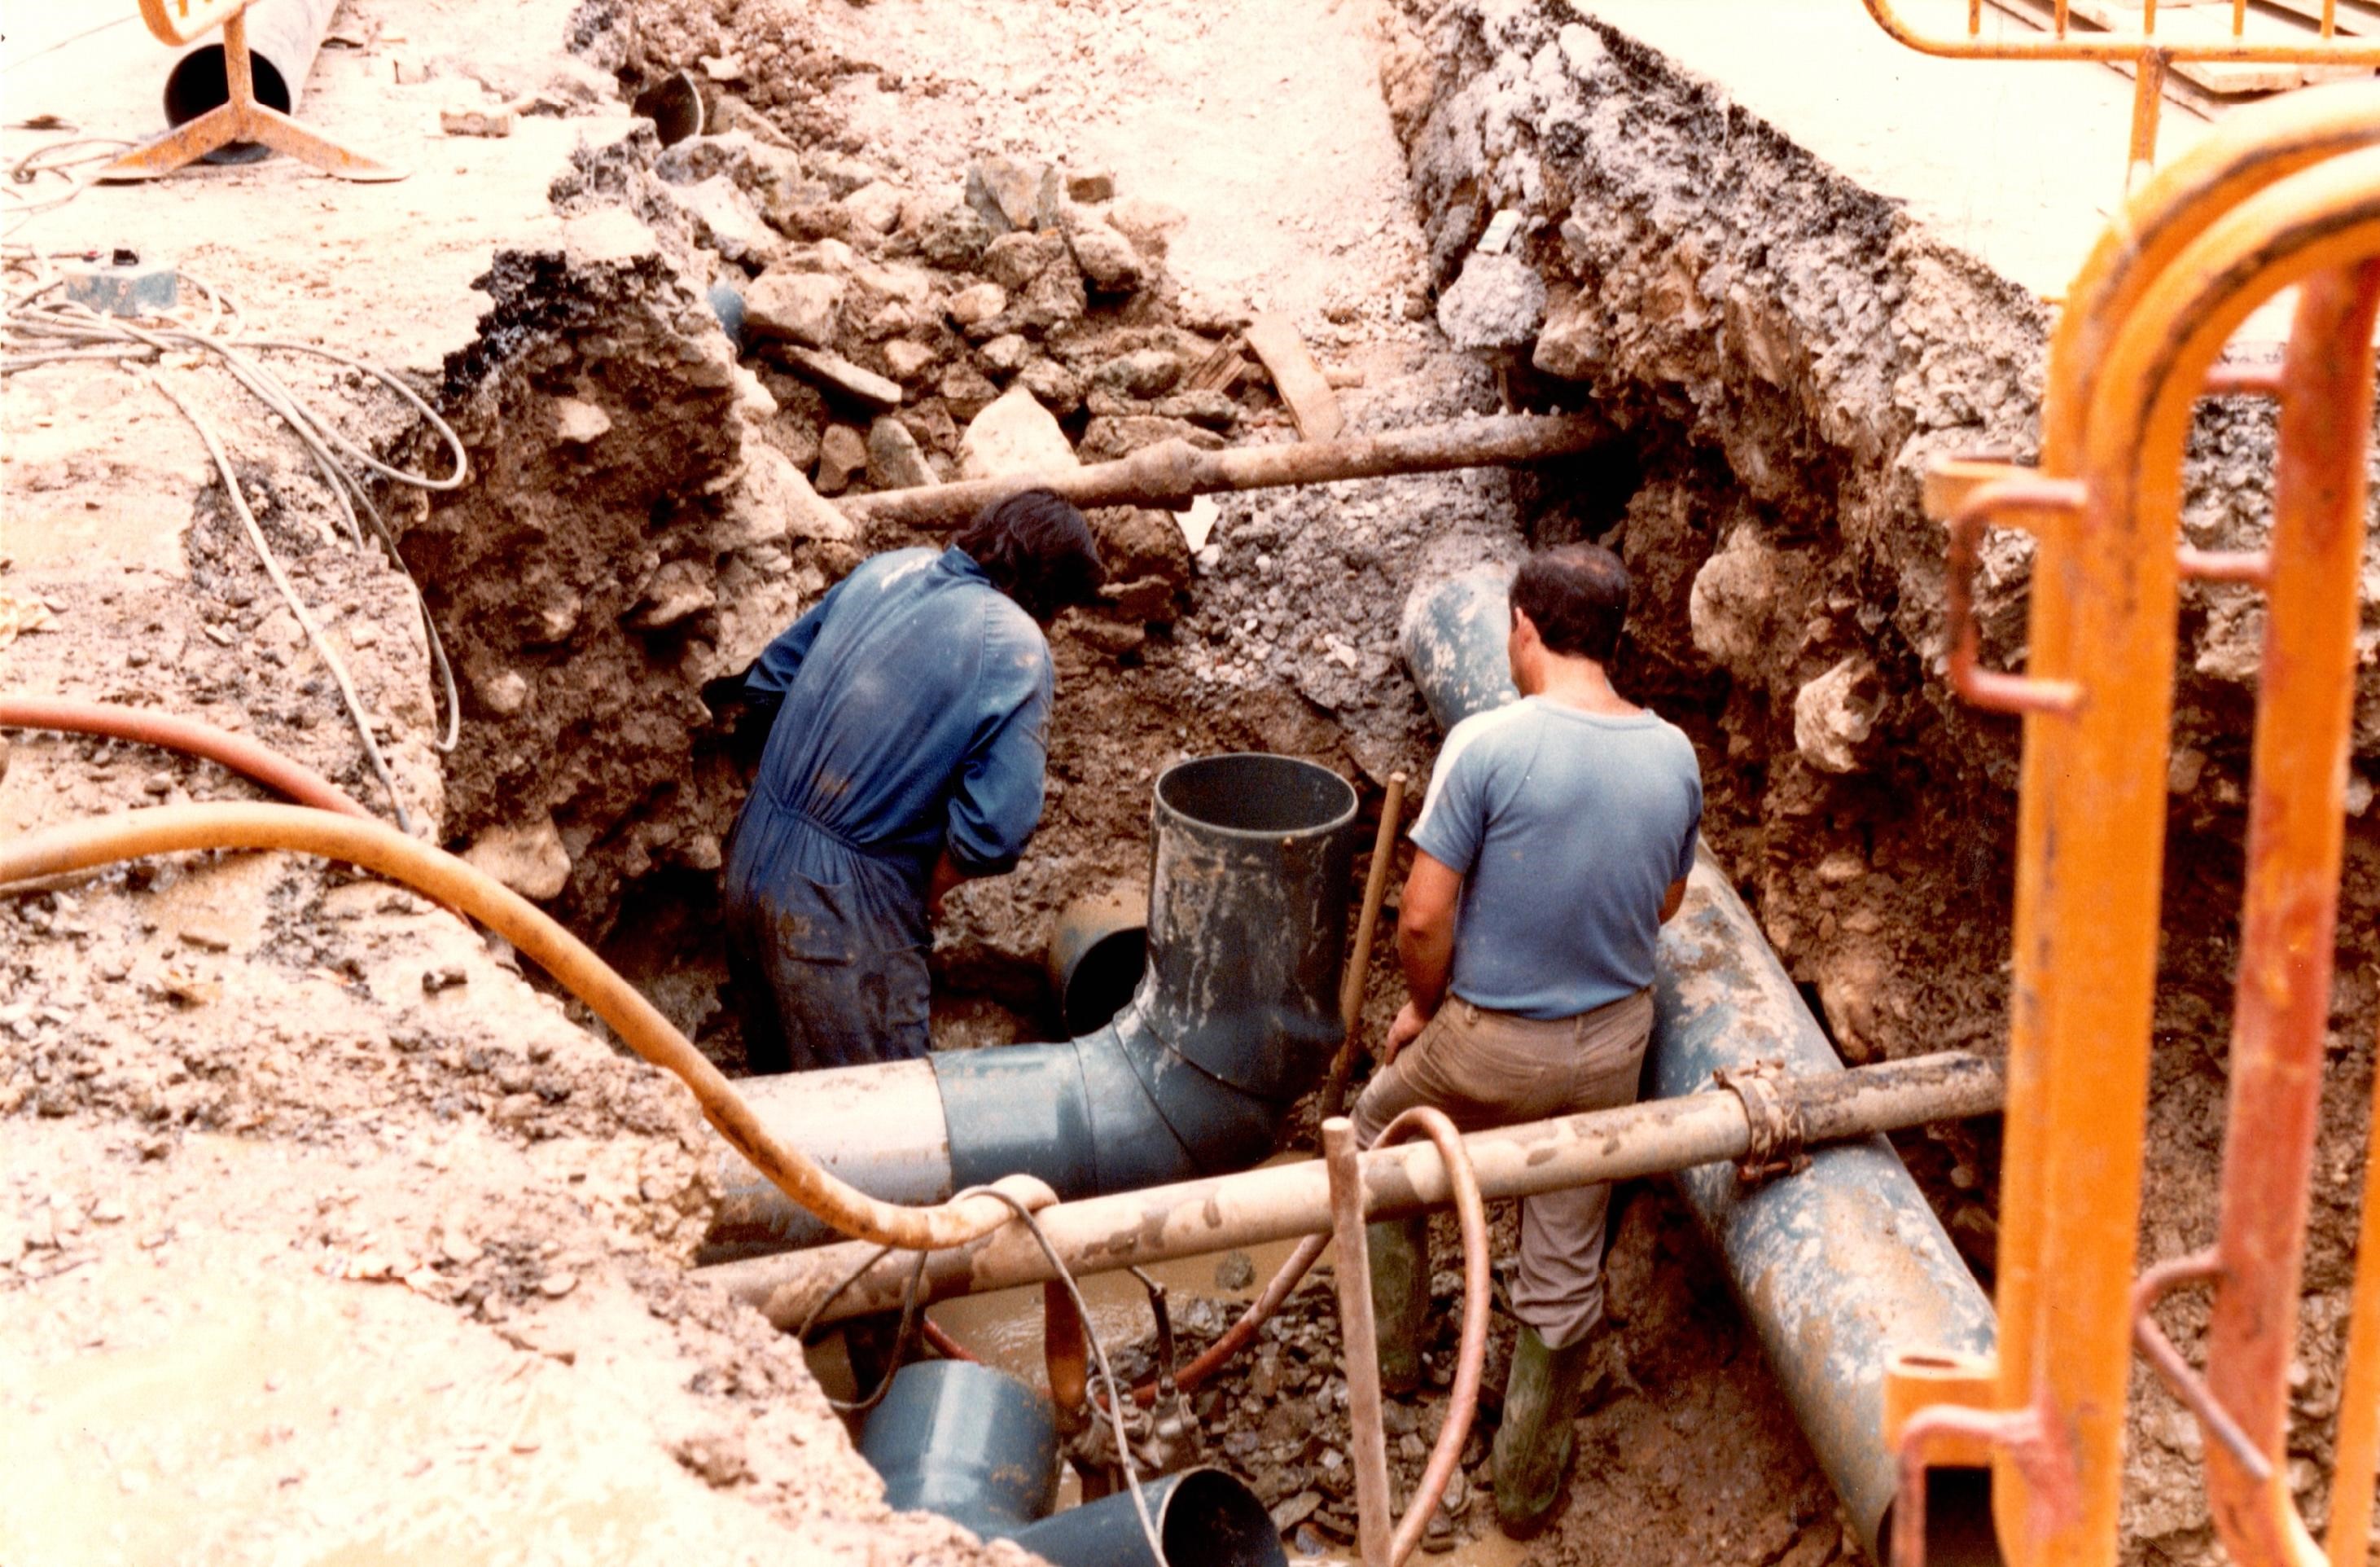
x: 912, y: 716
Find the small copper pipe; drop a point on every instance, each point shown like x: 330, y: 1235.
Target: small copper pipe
x: 941, y: 1344
x: 1238, y: 1335
x: 1066, y: 1349
x: 1471, y: 1354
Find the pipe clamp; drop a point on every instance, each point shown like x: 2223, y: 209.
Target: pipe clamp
x: 1773, y: 1114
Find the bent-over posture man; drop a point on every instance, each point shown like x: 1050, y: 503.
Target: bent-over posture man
x: 1553, y: 844
x: 909, y: 715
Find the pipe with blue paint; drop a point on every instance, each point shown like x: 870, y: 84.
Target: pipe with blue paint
x: 1236, y: 1015
x: 980, y: 1448
x: 1836, y: 1268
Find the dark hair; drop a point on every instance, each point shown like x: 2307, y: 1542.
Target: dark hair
x: 1038, y: 549
x: 1576, y: 595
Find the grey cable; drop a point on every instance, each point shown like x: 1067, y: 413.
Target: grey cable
x: 323, y: 648
x: 86, y: 335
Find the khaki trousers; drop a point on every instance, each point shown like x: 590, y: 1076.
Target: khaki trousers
x: 1486, y: 1069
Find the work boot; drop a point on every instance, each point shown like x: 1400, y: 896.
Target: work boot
x: 1400, y: 1255
x: 1533, y: 1445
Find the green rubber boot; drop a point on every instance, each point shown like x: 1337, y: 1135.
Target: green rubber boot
x: 1533, y: 1445
x: 1400, y: 1255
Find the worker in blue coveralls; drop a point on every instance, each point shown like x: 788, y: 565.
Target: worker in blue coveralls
x: 908, y: 717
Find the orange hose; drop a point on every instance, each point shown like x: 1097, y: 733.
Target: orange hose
x: 382, y: 849
x: 1471, y: 1351
x: 238, y: 752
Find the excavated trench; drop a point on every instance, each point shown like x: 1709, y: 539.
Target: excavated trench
x: 1780, y: 350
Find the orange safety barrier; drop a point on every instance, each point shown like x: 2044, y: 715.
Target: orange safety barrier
x: 2151, y: 56
x: 2283, y: 194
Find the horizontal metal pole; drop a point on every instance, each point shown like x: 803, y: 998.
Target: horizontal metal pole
x: 1225, y: 1212
x: 1171, y: 472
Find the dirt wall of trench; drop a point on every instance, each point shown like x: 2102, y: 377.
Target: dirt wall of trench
x: 1788, y: 351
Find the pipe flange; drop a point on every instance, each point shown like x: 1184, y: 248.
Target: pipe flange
x: 1773, y: 1112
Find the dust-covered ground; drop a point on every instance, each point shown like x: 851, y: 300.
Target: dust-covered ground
x: 250, y: 1069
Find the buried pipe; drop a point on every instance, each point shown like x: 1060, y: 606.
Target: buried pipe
x: 1837, y: 1266
x: 1171, y: 472
x: 979, y: 1447
x: 284, y: 36
x: 967, y: 1441
x: 1236, y: 1015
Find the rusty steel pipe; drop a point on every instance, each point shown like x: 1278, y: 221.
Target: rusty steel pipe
x: 170, y: 732
x: 1171, y: 472
x: 2297, y: 818
x: 1283, y: 1201
x: 1359, y: 1357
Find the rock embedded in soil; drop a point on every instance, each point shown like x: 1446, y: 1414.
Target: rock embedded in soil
x: 1110, y: 264
x: 1498, y: 302
x: 908, y: 360
x: 1010, y: 195
x: 843, y: 455
x: 976, y: 304
x: 1013, y: 434
x: 800, y: 306
x: 894, y: 461
x: 529, y: 858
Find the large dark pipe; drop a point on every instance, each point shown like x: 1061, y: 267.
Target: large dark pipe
x: 1835, y: 1268
x: 1204, y: 1518
x: 967, y: 1441
x: 980, y: 1448
x: 284, y: 36
x: 1236, y: 1015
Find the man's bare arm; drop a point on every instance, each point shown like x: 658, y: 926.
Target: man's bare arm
x: 1672, y: 900
x: 1426, y: 931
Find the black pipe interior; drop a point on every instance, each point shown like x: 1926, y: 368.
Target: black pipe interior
x: 1104, y: 978
x: 1213, y: 1519
x: 1256, y: 793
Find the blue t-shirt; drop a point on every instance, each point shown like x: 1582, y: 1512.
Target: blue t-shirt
x: 1567, y: 827
x: 912, y: 714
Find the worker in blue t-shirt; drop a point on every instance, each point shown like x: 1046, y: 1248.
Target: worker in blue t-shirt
x: 908, y: 717
x: 1553, y: 844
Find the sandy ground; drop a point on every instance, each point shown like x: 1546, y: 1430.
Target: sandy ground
x: 320, y: 1231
